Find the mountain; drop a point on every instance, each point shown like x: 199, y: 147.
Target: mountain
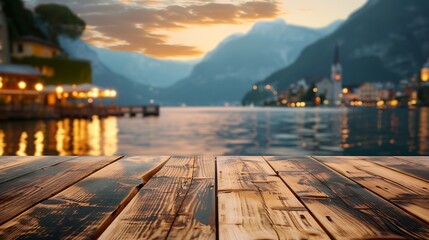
x: 129, y: 92
x: 385, y: 40
x: 144, y: 69
x: 226, y: 73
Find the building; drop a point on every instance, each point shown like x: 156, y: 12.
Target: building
x: 331, y: 89
x: 4, y: 39
x: 19, y: 85
x: 30, y: 46
x: 372, y: 92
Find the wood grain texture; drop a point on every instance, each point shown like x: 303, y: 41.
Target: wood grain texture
x: 152, y: 211
x: 348, y: 211
x: 383, y: 218
x: 269, y: 212
x: 233, y: 175
x: 31, y: 164
x: 80, y: 210
x: 24, y: 192
x: 9, y: 161
x: 409, y: 193
x: 403, y: 164
x: 196, y: 218
x: 241, y: 210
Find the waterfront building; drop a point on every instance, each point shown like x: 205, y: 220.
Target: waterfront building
x: 4, y: 39
x: 19, y: 85
x: 30, y: 46
x: 78, y: 95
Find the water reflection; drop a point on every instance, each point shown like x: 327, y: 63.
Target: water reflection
x: 59, y: 137
x: 227, y: 131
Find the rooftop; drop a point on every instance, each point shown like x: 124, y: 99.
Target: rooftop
x: 36, y: 40
x: 18, y: 70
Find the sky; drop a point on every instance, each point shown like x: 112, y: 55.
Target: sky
x: 187, y: 29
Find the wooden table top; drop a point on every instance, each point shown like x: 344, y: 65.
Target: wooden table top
x: 208, y: 197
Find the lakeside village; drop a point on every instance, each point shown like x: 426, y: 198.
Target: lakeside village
x: 331, y: 91
x: 38, y: 81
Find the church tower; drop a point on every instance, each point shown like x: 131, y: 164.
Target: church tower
x: 336, y: 78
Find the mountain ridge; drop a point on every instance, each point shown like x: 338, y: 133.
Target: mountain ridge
x: 385, y: 40
x: 225, y: 73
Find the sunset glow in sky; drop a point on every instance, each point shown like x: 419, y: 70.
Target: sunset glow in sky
x: 185, y: 29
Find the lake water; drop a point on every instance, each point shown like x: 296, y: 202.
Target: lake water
x: 227, y: 131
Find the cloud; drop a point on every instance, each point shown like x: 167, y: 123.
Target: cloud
x: 133, y: 25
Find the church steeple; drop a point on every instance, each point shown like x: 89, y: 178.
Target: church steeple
x: 336, y: 66
x: 337, y: 54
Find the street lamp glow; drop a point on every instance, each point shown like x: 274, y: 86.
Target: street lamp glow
x: 345, y: 90
x: 255, y: 87
x: 315, y: 90
x: 38, y: 87
x: 95, y: 92
x: 59, y: 89
x: 106, y: 93
x: 113, y: 93
x: 22, y: 85
x: 268, y: 87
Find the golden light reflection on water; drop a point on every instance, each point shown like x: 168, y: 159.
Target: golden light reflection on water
x: 2, y: 143
x: 423, y: 131
x: 62, y: 137
x: 232, y: 131
x: 39, y: 143
x: 22, y: 145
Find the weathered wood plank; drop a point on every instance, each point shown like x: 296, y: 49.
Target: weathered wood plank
x: 290, y: 219
x: 30, y: 165
x: 80, y: 210
x: 24, y: 192
x: 258, y: 165
x: 196, y: 218
x: 389, y: 184
x: 232, y: 175
x: 402, y: 164
x: 9, y: 161
x: 241, y: 210
x: 150, y: 214
x: 242, y: 216
x: 349, y: 211
x: 267, y: 210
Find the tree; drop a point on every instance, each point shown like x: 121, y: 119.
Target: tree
x: 20, y: 21
x: 60, y: 20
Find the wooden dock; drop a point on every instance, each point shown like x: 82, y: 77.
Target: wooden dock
x: 214, y: 197
x: 80, y: 112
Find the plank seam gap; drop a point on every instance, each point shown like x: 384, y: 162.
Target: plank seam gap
x: 62, y: 189
x: 302, y: 202
x: 372, y: 192
x: 183, y: 200
x: 262, y: 197
x: 124, y: 203
x: 396, y: 170
x: 30, y: 172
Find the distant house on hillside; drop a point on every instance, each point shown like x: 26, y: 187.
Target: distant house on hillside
x: 371, y: 92
x: 30, y: 46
